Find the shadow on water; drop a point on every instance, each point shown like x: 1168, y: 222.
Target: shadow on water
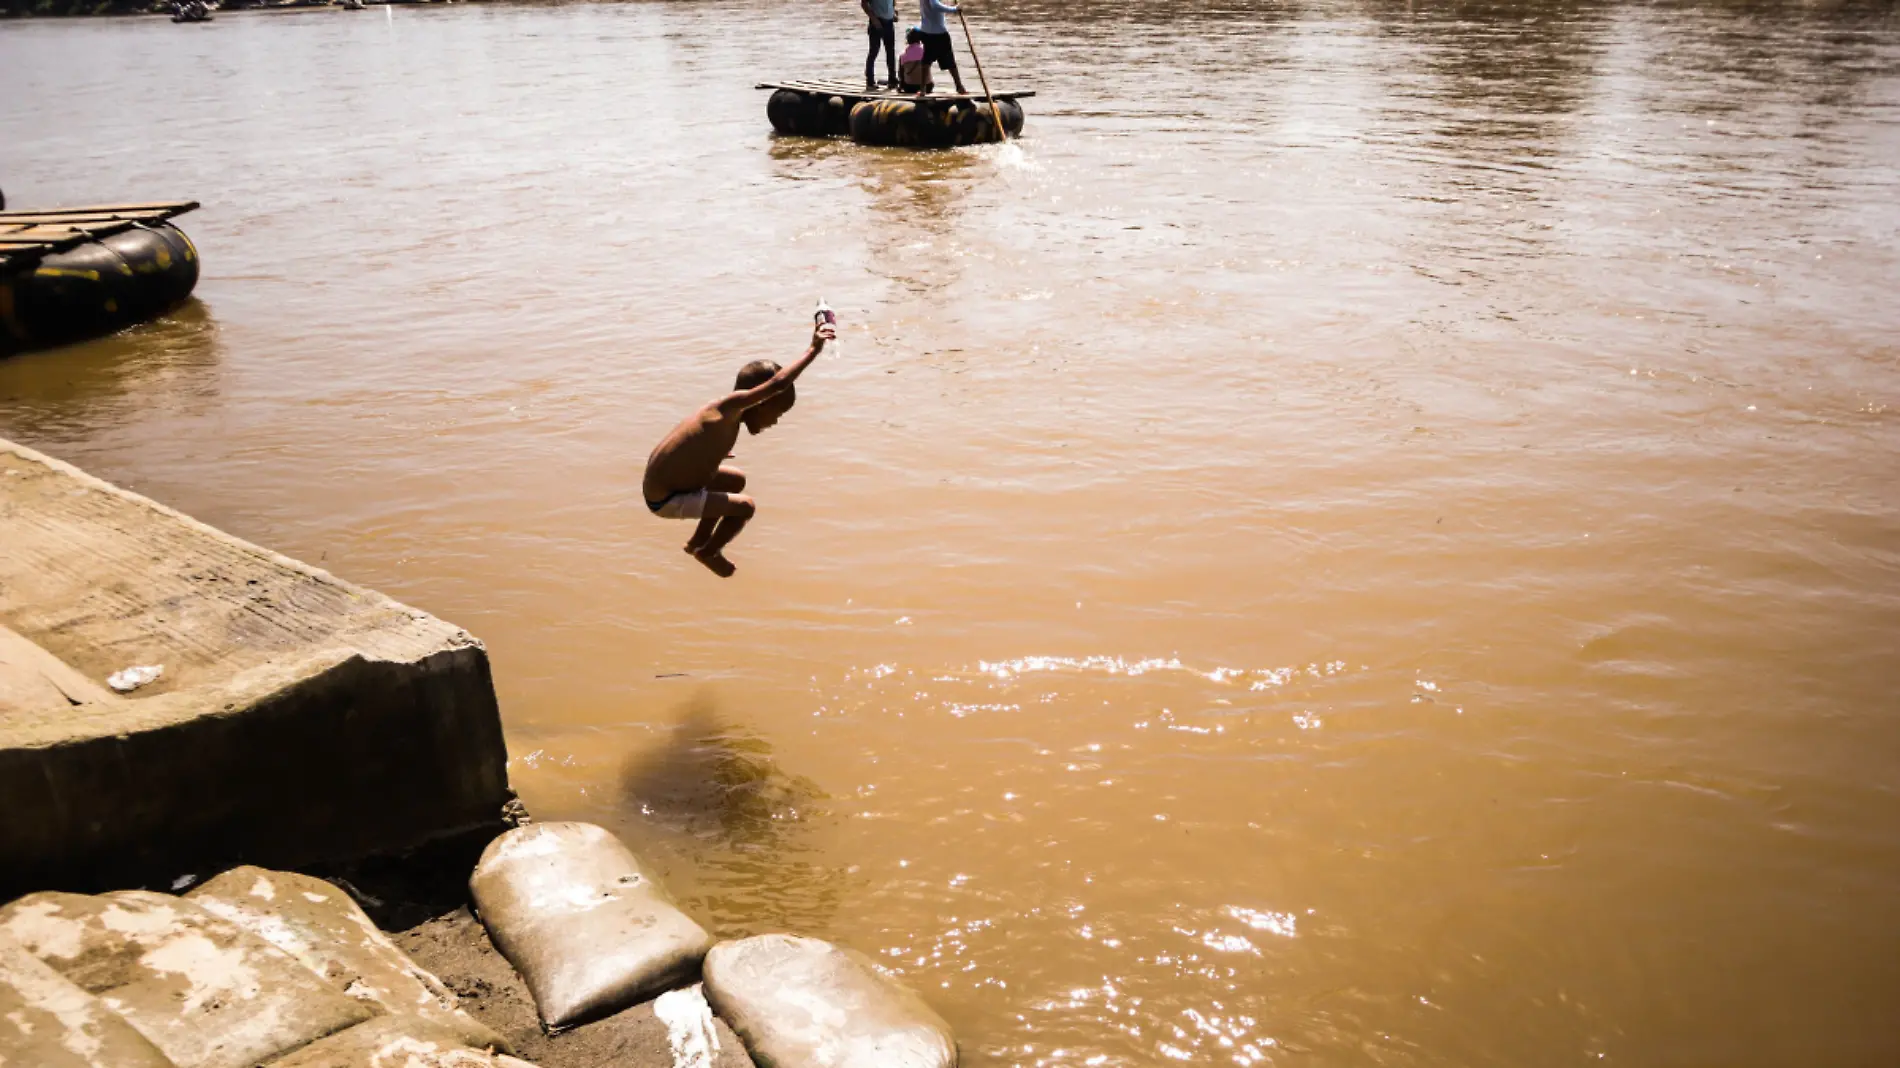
x: 750, y: 824
x: 713, y: 780
x: 62, y: 394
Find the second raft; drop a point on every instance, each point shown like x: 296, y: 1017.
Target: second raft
x: 70, y: 274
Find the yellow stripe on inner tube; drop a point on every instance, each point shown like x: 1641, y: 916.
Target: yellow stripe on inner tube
x: 61, y: 272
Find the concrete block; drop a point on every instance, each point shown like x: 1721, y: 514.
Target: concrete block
x: 46, y: 1021
x: 204, y: 991
x: 298, y: 719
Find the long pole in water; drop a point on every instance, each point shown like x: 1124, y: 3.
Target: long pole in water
x: 995, y: 113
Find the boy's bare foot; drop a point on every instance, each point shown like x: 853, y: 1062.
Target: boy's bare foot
x: 716, y: 562
x: 693, y: 547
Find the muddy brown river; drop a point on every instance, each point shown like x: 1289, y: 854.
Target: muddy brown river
x: 1372, y: 538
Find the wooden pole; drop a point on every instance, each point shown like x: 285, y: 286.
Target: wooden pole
x: 995, y: 112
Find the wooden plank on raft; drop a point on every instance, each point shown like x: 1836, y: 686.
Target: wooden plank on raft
x: 28, y: 236
x: 59, y: 227
x: 851, y: 89
x: 167, y: 207
x: 67, y: 233
x: 854, y: 91
x: 29, y: 240
x: 44, y: 218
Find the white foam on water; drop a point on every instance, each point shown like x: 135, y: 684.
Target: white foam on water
x: 689, y: 1026
x: 1010, y: 157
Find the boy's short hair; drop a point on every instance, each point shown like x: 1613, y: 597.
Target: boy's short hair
x: 759, y: 372
x: 756, y: 373
x: 913, y: 36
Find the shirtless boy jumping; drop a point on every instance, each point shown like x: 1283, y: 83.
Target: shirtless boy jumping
x: 686, y: 476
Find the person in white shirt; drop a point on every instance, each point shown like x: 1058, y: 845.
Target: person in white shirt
x: 937, y: 39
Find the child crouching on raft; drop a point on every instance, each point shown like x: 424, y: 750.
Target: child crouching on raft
x: 687, y: 477
x: 913, y: 70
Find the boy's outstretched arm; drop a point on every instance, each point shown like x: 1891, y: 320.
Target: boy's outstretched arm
x: 734, y: 403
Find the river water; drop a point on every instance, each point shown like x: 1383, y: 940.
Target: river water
x: 1372, y: 538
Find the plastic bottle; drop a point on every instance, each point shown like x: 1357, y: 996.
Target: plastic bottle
x: 824, y: 316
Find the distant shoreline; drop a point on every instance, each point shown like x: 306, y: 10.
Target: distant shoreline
x: 65, y: 9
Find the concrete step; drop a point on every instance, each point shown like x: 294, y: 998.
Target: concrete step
x: 297, y: 717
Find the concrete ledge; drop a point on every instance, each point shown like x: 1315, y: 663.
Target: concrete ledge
x: 299, y: 718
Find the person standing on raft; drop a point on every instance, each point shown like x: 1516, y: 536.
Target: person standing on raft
x: 687, y: 477
x: 882, y: 29
x: 937, y: 39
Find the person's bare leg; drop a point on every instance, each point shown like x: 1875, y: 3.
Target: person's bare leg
x: 714, y: 552
x: 731, y: 510
x: 701, y: 534
x: 727, y: 479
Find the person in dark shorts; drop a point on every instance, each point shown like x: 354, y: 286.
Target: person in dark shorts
x: 882, y: 29
x: 937, y: 39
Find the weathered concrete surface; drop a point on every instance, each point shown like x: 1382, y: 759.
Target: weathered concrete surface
x: 590, y: 930
x: 207, y: 993
x: 48, y: 1022
x: 456, y: 947
x: 327, y: 933
x: 299, y: 718
x: 172, y: 977
x: 395, y: 1042
x: 804, y: 1003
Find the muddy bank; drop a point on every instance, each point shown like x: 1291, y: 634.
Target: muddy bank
x: 457, y: 949
x: 315, y: 957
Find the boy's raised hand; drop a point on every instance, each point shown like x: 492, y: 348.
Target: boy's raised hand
x: 822, y: 333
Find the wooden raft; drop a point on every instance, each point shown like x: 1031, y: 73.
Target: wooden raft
x: 26, y: 237
x: 855, y: 91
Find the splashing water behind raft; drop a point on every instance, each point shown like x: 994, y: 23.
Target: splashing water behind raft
x: 1009, y: 156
